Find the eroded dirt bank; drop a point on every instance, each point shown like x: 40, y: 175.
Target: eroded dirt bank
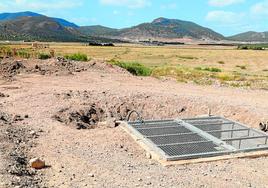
x: 60, y: 105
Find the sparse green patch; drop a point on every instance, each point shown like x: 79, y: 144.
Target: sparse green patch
x: 180, y: 73
x: 134, y: 68
x: 209, y: 69
x: 23, y: 53
x: 43, y: 56
x: 252, y: 47
x: 243, y: 67
x: 221, y: 62
x: 186, y: 57
x: 77, y: 57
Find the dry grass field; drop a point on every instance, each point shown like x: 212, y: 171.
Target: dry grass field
x: 204, y: 65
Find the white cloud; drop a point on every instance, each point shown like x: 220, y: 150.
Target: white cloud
x: 222, y: 3
x: 115, y: 12
x: 133, y: 4
x: 225, y: 17
x: 260, y: 8
x: 169, y: 6
x: 38, y: 5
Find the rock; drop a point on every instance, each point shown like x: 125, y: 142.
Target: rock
x: 91, y: 175
x: 37, y: 163
x: 109, y: 123
x: 148, y: 156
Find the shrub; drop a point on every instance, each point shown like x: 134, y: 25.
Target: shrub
x: 213, y: 69
x: 23, y: 53
x: 77, y: 57
x: 241, y: 67
x: 251, y: 47
x: 134, y: 68
x: 221, y: 62
x: 43, y: 56
x: 198, y: 68
x: 186, y: 57
x: 209, y: 69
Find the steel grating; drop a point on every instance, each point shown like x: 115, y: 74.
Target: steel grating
x: 173, y: 139
x: 198, y: 137
x: 164, y: 131
x: 190, y: 148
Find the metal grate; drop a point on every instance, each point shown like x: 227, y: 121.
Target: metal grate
x: 164, y: 131
x: 172, y: 139
x: 198, y: 137
x: 190, y: 148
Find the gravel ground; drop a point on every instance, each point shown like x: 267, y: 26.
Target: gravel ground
x: 99, y: 156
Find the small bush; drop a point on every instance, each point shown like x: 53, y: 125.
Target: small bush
x: 209, y: 69
x: 221, y: 62
x: 198, y: 68
x: 23, y: 53
x: 136, y: 69
x: 251, y: 47
x: 77, y: 57
x: 43, y: 56
x: 243, y: 67
x: 213, y: 69
x: 187, y: 57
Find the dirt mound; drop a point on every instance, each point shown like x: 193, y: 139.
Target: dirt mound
x: 59, y: 66
x: 11, y: 68
x: 85, y: 117
x: 55, y: 66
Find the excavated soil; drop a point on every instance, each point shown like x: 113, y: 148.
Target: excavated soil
x: 61, y: 107
x: 9, y: 68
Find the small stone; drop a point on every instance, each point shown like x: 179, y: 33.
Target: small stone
x: 148, y: 156
x: 91, y: 175
x: 32, y: 133
x: 37, y: 163
x: 109, y: 123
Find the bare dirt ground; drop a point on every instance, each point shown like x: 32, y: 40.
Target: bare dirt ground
x: 49, y: 109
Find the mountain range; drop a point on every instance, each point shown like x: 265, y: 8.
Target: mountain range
x: 160, y: 28
x: 32, y: 26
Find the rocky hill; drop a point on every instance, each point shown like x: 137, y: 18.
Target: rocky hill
x: 13, y: 16
x: 251, y: 36
x: 159, y: 28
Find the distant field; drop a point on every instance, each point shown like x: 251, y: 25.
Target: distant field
x: 186, y: 63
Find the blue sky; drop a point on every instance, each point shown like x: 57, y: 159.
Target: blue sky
x: 225, y: 16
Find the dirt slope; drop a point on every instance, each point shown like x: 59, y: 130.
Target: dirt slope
x: 107, y: 157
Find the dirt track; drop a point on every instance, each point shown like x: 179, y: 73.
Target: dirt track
x: 107, y: 157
